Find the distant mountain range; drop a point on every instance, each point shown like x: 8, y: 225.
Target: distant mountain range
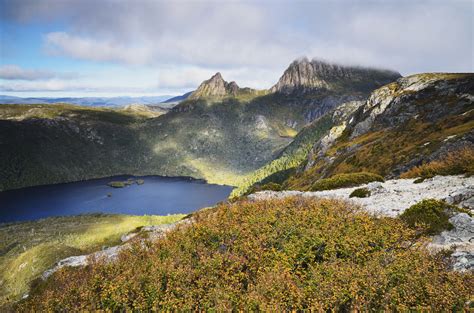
x: 161, y: 101
x: 178, y: 99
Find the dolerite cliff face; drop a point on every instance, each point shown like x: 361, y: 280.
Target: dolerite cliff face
x: 427, y: 97
x: 304, y: 75
x: 216, y: 86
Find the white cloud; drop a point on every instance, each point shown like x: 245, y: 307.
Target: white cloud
x: 14, y: 72
x: 61, y: 43
x: 405, y: 36
x: 181, y: 43
x: 67, y: 86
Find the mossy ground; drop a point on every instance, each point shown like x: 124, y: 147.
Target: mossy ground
x: 278, y: 255
x: 27, y: 249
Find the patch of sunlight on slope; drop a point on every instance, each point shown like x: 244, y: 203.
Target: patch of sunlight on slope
x: 215, y: 172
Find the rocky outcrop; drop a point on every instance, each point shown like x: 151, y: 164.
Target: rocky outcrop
x: 216, y: 86
x: 144, y: 110
x: 408, y: 98
x: 340, y: 119
x: 460, y: 238
x: 303, y: 75
x: 394, y: 196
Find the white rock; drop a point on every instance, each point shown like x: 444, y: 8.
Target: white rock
x: 391, y: 196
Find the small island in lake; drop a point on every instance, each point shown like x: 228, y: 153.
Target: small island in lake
x: 128, y: 182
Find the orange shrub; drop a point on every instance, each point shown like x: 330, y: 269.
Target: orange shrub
x: 290, y: 254
x: 454, y: 163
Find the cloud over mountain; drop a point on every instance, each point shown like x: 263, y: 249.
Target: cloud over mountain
x: 240, y: 33
x: 247, y: 37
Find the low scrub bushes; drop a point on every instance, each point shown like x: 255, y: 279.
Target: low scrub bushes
x: 27, y: 249
x: 278, y: 255
x: 345, y: 180
x: 360, y: 193
x: 454, y: 163
x: 268, y: 186
x: 430, y: 215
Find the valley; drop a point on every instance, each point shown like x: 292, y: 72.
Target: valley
x: 217, y: 134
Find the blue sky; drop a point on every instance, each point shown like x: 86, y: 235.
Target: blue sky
x: 144, y: 47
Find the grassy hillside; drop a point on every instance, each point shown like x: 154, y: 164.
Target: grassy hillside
x: 291, y: 157
x: 27, y: 249
x: 386, y: 152
x: 296, y: 153
x: 279, y: 255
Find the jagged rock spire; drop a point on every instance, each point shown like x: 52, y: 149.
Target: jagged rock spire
x: 216, y: 86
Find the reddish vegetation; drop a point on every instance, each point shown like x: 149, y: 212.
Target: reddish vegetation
x: 269, y: 255
x: 455, y: 163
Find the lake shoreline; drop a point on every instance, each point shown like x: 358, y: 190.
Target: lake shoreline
x: 158, y: 195
x: 190, y: 178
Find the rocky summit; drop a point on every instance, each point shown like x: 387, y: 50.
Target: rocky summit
x: 215, y: 86
x: 304, y: 75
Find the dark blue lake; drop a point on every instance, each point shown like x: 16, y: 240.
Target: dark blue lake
x: 157, y: 196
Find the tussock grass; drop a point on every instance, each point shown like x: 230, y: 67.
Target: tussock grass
x: 27, y: 249
x: 278, y: 255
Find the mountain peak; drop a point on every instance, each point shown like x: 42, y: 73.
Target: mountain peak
x: 217, y: 76
x: 304, y: 75
x: 215, y: 86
